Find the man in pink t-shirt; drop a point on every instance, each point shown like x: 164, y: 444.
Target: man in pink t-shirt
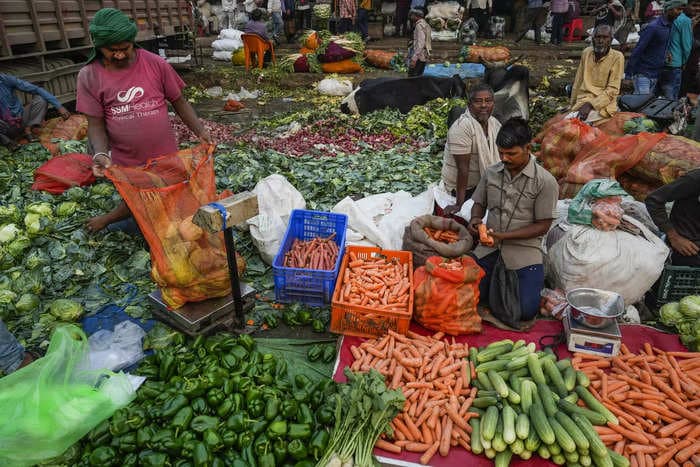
x: 124, y: 92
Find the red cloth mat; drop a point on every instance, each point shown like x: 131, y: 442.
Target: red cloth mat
x: 633, y: 336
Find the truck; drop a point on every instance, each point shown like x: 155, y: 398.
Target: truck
x: 47, y: 41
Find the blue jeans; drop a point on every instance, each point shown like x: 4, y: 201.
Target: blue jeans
x: 644, y: 84
x: 531, y: 283
x: 277, y: 24
x: 11, y: 352
x: 670, y: 82
x: 363, y: 22
x: 127, y: 225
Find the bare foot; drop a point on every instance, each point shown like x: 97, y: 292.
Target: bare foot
x: 28, y: 358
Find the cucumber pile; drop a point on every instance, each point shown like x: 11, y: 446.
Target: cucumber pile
x: 527, y: 404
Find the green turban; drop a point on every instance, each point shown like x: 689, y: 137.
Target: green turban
x: 110, y: 26
x: 674, y: 4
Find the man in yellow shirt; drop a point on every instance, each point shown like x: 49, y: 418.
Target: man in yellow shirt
x: 363, y: 18
x: 597, y: 83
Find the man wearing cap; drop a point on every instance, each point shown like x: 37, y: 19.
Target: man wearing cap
x: 649, y: 56
x: 421, y: 46
x: 124, y: 90
x: 680, y: 43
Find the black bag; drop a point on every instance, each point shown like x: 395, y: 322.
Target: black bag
x: 504, y: 288
x: 504, y: 294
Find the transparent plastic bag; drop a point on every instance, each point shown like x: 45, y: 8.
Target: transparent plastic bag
x: 54, y: 401
x: 553, y: 303
x: 607, y: 213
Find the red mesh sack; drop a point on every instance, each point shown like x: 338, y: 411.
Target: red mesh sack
x: 614, y: 126
x: 63, y: 172
x: 447, y: 295
x: 561, y: 141
x: 670, y: 158
x: 75, y: 128
x: 188, y: 264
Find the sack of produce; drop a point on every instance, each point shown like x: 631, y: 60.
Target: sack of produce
x: 188, y: 264
x: 436, y: 24
x: 75, y: 128
x: 561, y: 140
x: 63, y: 172
x: 379, y: 58
x: 447, y: 295
x: 55, y: 401
x: 342, y: 67
x: 581, y: 207
x: 435, y: 236
x: 478, y: 53
x: 310, y: 40
x: 238, y: 57
x: 335, y: 53
x: 617, y: 124
x: 617, y: 261
x: 667, y: 160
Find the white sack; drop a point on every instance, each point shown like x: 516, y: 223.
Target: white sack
x: 224, y: 55
x: 234, y: 34
x: 616, y: 261
x: 445, y: 10
x: 334, y: 87
x: 227, y: 44
x: 276, y: 200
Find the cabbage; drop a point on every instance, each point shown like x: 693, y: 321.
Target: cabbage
x: 670, y: 314
x: 7, y: 296
x: 686, y: 327
x: 35, y: 259
x: 75, y: 194
x: 65, y: 309
x: 36, y: 224
x: 102, y: 189
x: 27, y: 302
x: 67, y: 208
x: 18, y: 245
x: 690, y: 306
x: 43, y: 209
x: 8, y: 233
x: 10, y: 213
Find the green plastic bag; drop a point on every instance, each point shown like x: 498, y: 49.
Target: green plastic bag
x: 50, y: 404
x: 580, y: 208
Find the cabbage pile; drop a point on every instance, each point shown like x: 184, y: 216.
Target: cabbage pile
x: 685, y: 317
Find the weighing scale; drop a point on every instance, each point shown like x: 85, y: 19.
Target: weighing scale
x: 224, y: 313
x: 581, y: 338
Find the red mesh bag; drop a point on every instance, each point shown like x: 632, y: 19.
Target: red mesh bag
x: 188, y: 264
x: 670, y: 158
x: 614, y: 126
x: 75, y: 128
x: 561, y: 141
x: 447, y: 295
x: 63, y: 172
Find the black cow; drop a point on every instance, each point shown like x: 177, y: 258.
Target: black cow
x: 510, y: 84
x: 400, y: 93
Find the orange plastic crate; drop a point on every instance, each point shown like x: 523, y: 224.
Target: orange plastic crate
x: 365, y: 321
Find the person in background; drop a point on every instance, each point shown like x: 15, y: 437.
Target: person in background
x: 17, y: 120
x: 480, y: 10
x: 649, y: 55
x: 12, y: 354
x: 420, y: 45
x: 559, y: 9
x: 363, y: 18
x: 124, y: 91
x: 534, y: 20
x: 229, y: 14
x: 653, y: 11
x: 276, y: 9
x: 419, y: 5
x: 682, y: 228
x: 574, y: 11
x: 256, y: 25
x: 288, y: 15
x: 401, y: 17
x: 598, y: 78
x: 521, y: 199
x: 347, y: 11
x: 470, y: 148
x: 680, y: 43
x: 303, y: 14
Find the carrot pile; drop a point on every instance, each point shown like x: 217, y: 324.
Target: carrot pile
x: 435, y: 379
x: 445, y: 236
x: 378, y: 282
x: 656, y: 397
x: 317, y: 253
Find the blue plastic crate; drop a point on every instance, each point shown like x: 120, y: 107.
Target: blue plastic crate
x: 312, y: 287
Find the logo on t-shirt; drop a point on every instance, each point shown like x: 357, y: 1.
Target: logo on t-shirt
x: 130, y: 94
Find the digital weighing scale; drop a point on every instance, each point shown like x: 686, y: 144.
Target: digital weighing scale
x: 581, y: 338
x: 224, y: 313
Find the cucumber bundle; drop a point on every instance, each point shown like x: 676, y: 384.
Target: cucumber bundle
x: 527, y: 403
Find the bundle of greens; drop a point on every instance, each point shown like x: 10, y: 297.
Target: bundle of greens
x: 364, y: 408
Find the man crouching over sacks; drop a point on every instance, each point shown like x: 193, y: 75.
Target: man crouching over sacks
x: 521, y: 200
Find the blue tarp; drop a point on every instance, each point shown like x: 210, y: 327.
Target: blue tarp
x: 464, y: 70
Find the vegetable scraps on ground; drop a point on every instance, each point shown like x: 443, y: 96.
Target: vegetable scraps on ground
x: 654, y: 395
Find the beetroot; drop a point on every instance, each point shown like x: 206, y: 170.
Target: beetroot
x: 335, y: 53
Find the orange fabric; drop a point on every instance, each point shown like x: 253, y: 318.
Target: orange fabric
x: 312, y: 41
x: 447, y: 295
x: 188, y: 264
x: 254, y: 44
x: 63, y: 172
x: 75, y: 128
x: 343, y: 67
x: 379, y: 58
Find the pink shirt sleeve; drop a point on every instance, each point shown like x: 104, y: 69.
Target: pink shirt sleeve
x: 86, y: 101
x: 172, y: 83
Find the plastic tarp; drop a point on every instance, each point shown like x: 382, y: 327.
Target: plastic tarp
x: 464, y: 70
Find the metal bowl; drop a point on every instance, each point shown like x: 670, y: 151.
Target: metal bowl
x: 595, y: 308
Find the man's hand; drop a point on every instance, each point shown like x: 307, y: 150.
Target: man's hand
x: 205, y: 137
x: 584, y: 111
x: 100, y: 164
x: 682, y: 245
x: 451, y: 209
x: 63, y: 112
x: 97, y: 223
x: 473, y: 226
